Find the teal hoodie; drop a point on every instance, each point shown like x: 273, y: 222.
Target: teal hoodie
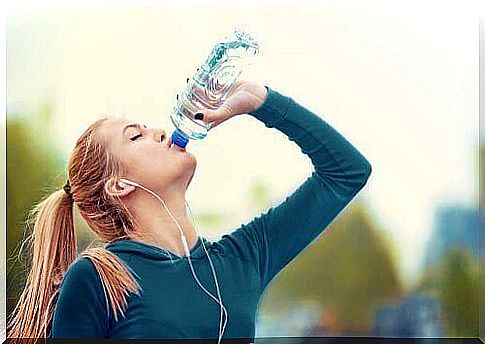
x: 171, y: 303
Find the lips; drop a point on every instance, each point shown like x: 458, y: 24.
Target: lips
x: 173, y: 146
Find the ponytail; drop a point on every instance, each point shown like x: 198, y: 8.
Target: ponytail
x: 53, y: 244
x: 53, y: 239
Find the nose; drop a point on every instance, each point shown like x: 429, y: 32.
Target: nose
x: 159, y: 135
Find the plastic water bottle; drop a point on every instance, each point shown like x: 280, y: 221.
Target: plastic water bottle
x: 210, y: 84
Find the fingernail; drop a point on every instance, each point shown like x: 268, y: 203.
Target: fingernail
x: 199, y: 116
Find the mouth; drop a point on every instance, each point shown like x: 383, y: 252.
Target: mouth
x: 173, y: 146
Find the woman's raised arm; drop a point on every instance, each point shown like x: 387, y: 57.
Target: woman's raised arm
x: 277, y: 236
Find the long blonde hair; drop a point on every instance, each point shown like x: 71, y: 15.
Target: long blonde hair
x: 53, y: 243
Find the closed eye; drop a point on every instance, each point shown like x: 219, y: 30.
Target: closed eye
x: 135, y: 137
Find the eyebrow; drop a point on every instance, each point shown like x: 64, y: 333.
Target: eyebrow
x: 132, y: 125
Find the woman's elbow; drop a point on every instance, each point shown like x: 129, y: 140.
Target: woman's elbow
x: 368, y: 170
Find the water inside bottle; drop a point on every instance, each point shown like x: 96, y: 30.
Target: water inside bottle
x: 211, y: 83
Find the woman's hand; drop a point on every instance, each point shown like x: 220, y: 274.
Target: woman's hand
x: 244, y: 97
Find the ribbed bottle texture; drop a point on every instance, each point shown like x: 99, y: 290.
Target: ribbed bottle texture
x: 210, y: 85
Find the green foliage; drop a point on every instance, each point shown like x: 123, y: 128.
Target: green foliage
x: 33, y: 167
x: 459, y: 293
x: 455, y: 282
x: 259, y: 196
x: 348, y: 269
x: 213, y: 221
x: 210, y: 221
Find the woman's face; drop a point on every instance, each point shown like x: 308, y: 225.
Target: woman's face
x: 152, y: 160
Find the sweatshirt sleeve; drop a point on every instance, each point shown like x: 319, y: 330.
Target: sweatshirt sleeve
x: 80, y: 311
x: 274, y: 238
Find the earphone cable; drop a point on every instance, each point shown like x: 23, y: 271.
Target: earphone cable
x: 223, y: 308
x: 214, y: 273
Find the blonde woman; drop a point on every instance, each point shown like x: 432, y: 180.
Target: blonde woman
x: 139, y: 283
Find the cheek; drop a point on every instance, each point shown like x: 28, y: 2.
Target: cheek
x: 163, y: 167
x: 170, y: 165
x: 144, y: 163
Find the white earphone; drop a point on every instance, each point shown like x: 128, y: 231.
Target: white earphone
x: 122, y: 183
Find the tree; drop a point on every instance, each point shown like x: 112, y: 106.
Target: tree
x: 459, y: 293
x: 349, y: 268
x: 33, y: 167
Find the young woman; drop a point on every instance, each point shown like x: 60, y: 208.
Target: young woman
x: 140, y: 282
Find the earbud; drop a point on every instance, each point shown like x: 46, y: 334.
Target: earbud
x: 122, y: 183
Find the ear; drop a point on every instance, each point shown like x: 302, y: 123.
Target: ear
x: 112, y: 187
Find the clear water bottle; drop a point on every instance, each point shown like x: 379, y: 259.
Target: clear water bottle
x: 210, y: 85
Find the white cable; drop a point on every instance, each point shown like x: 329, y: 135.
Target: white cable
x: 186, y: 248
x: 214, y: 273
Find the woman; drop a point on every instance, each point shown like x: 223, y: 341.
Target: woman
x: 138, y: 284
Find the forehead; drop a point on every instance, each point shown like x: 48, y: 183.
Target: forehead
x: 112, y: 128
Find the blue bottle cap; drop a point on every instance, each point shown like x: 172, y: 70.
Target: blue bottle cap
x: 180, y: 138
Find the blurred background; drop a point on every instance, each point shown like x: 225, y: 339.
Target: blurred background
x: 400, y: 84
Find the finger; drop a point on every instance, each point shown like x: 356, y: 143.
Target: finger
x: 221, y: 113
x: 227, y: 109
x: 215, y: 123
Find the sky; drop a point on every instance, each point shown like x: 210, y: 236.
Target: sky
x: 398, y: 80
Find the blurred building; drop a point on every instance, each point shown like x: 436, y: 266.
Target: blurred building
x: 386, y: 321
x: 293, y: 322
x: 416, y: 316
x: 455, y: 226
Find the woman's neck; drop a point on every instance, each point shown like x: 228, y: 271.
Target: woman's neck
x: 155, y: 226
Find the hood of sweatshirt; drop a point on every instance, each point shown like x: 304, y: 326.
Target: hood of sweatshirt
x: 156, y: 253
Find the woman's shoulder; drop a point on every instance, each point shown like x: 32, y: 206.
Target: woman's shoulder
x: 82, y: 283
x: 81, y: 272
x: 81, y: 309
x: 81, y: 266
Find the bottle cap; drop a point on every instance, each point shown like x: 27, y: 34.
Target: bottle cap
x: 180, y: 138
